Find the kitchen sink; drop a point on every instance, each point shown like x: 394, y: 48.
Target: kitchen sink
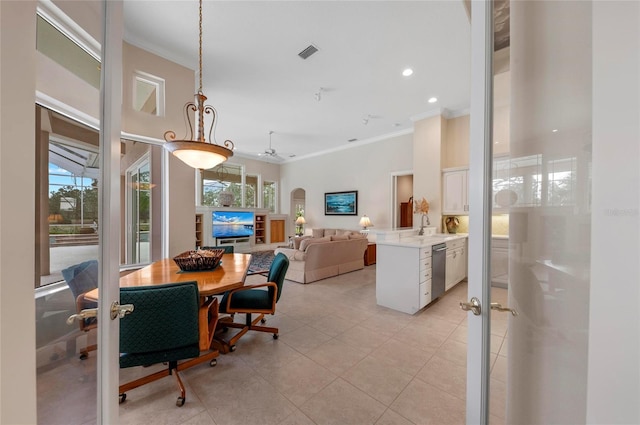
x: 435, y: 238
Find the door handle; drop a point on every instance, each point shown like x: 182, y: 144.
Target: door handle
x: 473, y: 306
x: 117, y: 311
x: 84, y: 314
x: 498, y: 307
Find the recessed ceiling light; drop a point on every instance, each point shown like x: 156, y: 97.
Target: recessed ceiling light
x: 433, y: 100
x: 555, y: 130
x: 407, y: 72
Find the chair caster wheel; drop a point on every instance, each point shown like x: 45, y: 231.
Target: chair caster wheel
x: 275, y: 336
x: 232, y: 348
x: 213, y: 362
x: 180, y: 401
x: 84, y: 356
x: 263, y: 321
x: 122, y: 398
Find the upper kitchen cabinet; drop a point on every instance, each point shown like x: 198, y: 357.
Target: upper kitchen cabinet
x: 455, y: 199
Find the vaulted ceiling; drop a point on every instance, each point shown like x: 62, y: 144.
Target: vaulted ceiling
x: 351, y: 88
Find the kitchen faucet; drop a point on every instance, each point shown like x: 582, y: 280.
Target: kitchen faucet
x: 421, y: 232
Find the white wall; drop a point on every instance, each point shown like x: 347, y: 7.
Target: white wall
x: 364, y: 168
x: 179, y: 83
x: 427, y: 175
x: 17, y: 212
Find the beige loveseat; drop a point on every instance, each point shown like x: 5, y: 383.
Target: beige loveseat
x: 320, y: 257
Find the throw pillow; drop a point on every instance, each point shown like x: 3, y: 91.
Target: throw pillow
x: 317, y: 233
x: 357, y: 236
x: 298, y: 241
x: 329, y: 232
x: 340, y: 237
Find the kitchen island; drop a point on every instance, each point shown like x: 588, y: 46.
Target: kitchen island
x: 407, y: 265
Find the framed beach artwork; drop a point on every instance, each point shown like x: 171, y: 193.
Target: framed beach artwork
x: 341, y: 203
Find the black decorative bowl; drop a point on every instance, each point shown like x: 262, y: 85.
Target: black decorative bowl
x: 202, y: 259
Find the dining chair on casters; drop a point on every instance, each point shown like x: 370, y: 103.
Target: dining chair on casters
x: 82, y: 278
x: 162, y: 328
x: 257, y: 299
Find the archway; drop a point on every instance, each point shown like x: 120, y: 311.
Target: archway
x: 297, y: 206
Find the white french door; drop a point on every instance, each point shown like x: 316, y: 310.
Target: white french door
x: 567, y: 274
x: 480, y: 173
x: 110, y: 129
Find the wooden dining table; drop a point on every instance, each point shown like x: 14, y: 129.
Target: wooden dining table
x: 230, y: 274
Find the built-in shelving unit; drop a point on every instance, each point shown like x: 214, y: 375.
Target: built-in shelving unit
x: 260, y: 230
x: 199, y: 230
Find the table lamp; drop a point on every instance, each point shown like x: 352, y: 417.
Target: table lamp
x: 299, y: 222
x: 365, y: 222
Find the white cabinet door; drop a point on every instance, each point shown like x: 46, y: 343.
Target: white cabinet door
x: 450, y: 270
x: 459, y: 265
x: 454, y: 193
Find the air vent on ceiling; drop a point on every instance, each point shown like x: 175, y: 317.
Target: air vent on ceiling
x: 308, y: 51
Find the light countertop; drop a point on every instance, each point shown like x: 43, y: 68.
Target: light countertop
x: 422, y: 241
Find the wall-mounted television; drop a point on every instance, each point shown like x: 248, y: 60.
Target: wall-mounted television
x: 232, y: 224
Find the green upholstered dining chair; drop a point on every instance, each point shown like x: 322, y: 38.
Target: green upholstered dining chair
x: 82, y: 278
x: 162, y: 328
x: 260, y: 299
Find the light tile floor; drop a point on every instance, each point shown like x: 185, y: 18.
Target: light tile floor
x: 340, y: 359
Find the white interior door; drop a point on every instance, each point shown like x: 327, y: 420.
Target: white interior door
x: 90, y: 381
x: 110, y: 129
x: 566, y: 276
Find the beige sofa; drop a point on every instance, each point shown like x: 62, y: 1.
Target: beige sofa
x: 334, y: 253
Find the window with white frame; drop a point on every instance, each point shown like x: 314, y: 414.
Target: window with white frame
x: 219, y: 182
x: 269, y: 196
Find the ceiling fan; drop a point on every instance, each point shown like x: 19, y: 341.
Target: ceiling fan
x: 271, y: 152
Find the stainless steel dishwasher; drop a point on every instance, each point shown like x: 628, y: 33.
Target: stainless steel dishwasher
x: 438, y: 269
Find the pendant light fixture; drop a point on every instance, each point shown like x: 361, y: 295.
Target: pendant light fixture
x: 199, y: 153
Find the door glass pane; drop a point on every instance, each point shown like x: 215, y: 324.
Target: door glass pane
x: 67, y: 237
x: 544, y: 376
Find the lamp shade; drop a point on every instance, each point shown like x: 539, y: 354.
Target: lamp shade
x: 300, y: 220
x: 199, y: 154
x: 365, y: 222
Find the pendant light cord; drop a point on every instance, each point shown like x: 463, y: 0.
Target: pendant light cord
x: 200, y: 46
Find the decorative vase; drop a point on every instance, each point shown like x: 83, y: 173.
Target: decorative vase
x: 452, y: 224
x: 225, y: 199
